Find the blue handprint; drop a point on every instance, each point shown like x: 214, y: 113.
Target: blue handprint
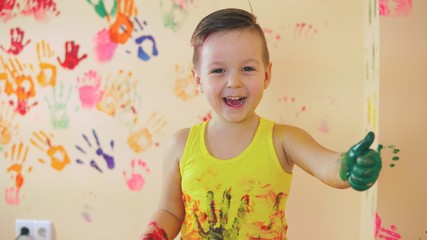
x: 109, y: 160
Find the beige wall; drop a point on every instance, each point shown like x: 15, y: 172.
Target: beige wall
x: 318, y: 53
x: 402, y: 194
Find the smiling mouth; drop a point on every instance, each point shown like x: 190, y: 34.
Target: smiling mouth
x: 234, y: 101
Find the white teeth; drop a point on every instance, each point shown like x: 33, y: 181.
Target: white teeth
x: 233, y: 98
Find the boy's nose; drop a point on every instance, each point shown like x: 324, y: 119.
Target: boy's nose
x: 234, y: 80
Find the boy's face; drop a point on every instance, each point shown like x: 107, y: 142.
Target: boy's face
x: 232, y: 73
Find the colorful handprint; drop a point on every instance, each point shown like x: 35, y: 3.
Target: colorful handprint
x: 17, y: 43
x: 89, y: 89
x: 8, y: 126
x: 17, y: 156
x: 212, y: 223
x: 58, y: 107
x: 57, y: 154
x: 116, y: 95
x: 48, y: 70
x: 71, y: 56
x: 136, y: 180
x: 19, y: 83
x: 142, y: 139
x: 108, y: 159
x: 185, y: 87
x: 122, y: 27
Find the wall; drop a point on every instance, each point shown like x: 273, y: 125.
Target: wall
x: 82, y: 142
x: 402, y: 194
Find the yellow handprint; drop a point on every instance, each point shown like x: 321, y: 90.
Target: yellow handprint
x: 142, y: 139
x: 116, y: 94
x: 19, y: 81
x: 47, y: 75
x: 7, y: 127
x: 185, y: 87
x: 58, y: 156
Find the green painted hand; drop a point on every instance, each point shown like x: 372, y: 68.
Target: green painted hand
x: 361, y: 166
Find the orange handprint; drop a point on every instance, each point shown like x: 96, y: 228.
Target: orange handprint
x: 59, y: 158
x: 17, y: 155
x: 20, y: 82
x: 122, y: 28
x: 185, y: 87
x: 19, y: 159
x: 275, y: 227
x: 47, y: 75
x: 7, y: 126
x: 142, y: 139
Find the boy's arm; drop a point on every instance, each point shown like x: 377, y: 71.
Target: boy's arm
x: 360, y: 164
x: 166, y: 221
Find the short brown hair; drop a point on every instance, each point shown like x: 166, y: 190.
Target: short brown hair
x: 225, y: 20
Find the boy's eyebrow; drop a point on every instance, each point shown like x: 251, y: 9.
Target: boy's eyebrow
x: 249, y: 60
x: 214, y: 63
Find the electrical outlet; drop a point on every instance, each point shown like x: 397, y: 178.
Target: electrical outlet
x: 20, y: 224
x: 38, y: 229
x: 42, y: 230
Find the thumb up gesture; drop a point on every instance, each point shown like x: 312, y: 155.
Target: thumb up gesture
x: 360, y: 165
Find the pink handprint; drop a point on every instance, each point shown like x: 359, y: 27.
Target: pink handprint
x: 136, y: 181
x: 104, y: 46
x: 71, y: 55
x: 6, y: 9
x: 16, y: 39
x: 89, y: 89
x: 12, y: 196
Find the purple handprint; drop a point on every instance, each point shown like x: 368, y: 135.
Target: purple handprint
x: 109, y: 160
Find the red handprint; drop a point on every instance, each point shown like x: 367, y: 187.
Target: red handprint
x: 71, y: 58
x: 16, y: 39
x: 6, y: 9
x: 41, y: 10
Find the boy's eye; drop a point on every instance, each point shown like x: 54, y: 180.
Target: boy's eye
x: 218, y: 70
x: 247, y: 69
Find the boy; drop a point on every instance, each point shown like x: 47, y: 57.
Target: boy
x: 229, y: 177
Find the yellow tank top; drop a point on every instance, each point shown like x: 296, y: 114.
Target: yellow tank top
x: 239, y: 198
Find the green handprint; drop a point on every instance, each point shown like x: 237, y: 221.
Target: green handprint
x: 360, y: 165
x: 58, y: 108
x: 101, y: 10
x: 221, y: 232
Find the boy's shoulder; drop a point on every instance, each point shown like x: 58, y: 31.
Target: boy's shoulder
x: 286, y: 130
x: 180, y: 136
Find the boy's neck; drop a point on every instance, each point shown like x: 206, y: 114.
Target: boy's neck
x: 220, y: 124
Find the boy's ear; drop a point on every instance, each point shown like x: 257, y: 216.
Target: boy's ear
x: 267, y: 78
x: 197, y: 80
